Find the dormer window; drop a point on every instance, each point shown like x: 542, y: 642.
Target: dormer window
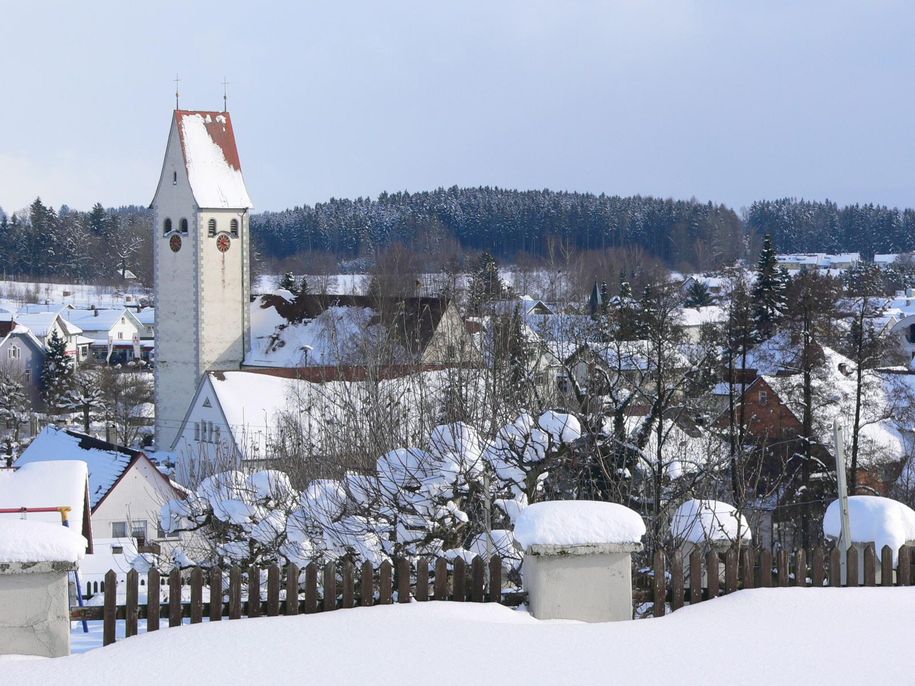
x: 167, y: 225
x: 211, y: 227
x: 233, y: 228
x: 174, y: 178
x: 183, y: 225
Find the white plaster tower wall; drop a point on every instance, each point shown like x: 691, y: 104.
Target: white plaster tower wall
x: 202, y: 291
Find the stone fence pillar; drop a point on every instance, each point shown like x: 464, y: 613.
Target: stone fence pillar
x: 577, y: 561
x: 35, y: 608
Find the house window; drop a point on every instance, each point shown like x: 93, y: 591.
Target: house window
x: 13, y: 352
x: 138, y: 529
x: 197, y: 431
x: 233, y: 228
x: 451, y: 352
x: 174, y: 178
x: 118, y: 529
x: 183, y: 225
x: 167, y: 225
x: 115, y: 550
x: 763, y: 397
x: 120, y: 335
x: 27, y: 375
x: 211, y: 227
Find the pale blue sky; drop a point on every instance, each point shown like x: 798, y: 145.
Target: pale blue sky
x: 727, y: 101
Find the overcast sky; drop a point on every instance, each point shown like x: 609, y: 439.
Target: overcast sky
x: 727, y: 101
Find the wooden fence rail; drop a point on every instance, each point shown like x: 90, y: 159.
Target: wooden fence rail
x: 672, y: 582
x: 237, y: 593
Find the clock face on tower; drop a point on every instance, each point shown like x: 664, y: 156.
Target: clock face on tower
x: 223, y: 242
x: 174, y: 242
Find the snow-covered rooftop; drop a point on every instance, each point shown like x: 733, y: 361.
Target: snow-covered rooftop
x: 211, y: 158
x: 95, y: 320
x: 106, y: 462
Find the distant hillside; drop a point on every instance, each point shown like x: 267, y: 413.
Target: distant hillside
x: 506, y: 222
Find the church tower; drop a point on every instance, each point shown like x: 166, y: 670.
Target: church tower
x: 200, y: 219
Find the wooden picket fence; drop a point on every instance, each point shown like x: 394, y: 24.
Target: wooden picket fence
x: 342, y: 586
x: 747, y: 567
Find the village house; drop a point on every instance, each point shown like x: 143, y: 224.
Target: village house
x: 115, y: 333
x: 126, y: 491
x: 21, y: 357
x: 44, y: 324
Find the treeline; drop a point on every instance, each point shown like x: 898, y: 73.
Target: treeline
x: 807, y: 226
x: 682, y: 233
x: 445, y: 224
x: 101, y: 245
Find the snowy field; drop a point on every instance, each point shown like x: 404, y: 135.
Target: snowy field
x: 19, y: 293
x: 765, y: 636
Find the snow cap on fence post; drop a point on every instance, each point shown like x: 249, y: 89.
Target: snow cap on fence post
x: 577, y: 559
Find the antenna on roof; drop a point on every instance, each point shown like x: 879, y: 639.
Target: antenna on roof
x: 176, y: 91
x: 225, y: 94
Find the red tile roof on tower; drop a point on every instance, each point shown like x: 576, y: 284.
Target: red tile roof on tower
x: 211, y: 159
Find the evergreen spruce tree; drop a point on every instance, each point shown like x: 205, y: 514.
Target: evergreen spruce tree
x: 485, y: 283
x: 288, y: 283
x: 303, y: 286
x: 14, y: 412
x: 56, y: 375
x: 698, y: 295
x: 768, y: 292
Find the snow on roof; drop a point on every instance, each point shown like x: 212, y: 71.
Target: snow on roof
x: 708, y: 521
x: 336, y: 336
x: 39, y: 323
x: 146, y: 316
x: 682, y: 451
x: 95, y: 320
x: 106, y: 462
x: 253, y: 403
x: 211, y: 158
x: 873, y: 519
x: 22, y: 540
x: 697, y: 316
x: 886, y: 258
x: 578, y: 523
x: 56, y: 483
x: 883, y: 437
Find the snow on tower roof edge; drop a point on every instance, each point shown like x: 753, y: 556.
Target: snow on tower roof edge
x: 578, y: 523
x: 211, y: 159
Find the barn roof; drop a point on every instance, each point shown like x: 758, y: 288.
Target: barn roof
x: 211, y: 158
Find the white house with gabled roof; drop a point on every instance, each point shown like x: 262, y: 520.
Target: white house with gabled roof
x: 115, y: 333
x: 201, y: 211
x: 126, y: 491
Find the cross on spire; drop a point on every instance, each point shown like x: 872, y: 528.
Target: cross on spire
x: 225, y: 94
x: 177, y: 80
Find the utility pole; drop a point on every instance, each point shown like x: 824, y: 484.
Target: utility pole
x: 845, y: 525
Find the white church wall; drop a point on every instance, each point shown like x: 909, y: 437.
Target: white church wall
x: 177, y: 366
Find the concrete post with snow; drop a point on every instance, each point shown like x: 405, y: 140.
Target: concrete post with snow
x: 577, y: 561
x: 35, y: 561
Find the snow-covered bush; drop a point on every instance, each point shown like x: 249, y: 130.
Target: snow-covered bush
x: 415, y: 502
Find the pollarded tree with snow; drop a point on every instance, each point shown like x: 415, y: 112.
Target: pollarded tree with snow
x: 241, y: 519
